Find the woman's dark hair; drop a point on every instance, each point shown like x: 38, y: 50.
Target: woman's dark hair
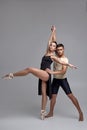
x: 60, y: 45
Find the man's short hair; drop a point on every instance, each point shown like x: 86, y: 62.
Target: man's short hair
x: 60, y: 45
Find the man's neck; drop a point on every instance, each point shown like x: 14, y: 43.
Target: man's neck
x: 62, y: 56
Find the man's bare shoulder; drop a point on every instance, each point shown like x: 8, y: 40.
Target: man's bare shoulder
x: 64, y: 58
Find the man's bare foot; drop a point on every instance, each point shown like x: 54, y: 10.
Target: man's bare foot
x: 81, y: 117
x: 49, y: 115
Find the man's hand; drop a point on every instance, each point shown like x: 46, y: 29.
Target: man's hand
x: 49, y: 71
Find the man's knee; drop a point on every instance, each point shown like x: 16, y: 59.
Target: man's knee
x: 54, y: 96
x: 71, y: 96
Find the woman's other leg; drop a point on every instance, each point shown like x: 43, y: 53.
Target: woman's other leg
x: 44, y: 100
x: 44, y: 96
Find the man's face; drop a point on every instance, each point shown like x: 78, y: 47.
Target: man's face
x: 60, y: 51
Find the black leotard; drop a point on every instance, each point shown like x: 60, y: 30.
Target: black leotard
x: 45, y: 63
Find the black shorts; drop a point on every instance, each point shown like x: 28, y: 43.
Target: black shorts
x: 56, y: 83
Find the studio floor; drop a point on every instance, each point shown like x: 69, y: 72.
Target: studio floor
x: 22, y: 118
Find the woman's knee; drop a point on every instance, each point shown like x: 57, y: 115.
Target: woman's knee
x: 27, y: 70
x: 46, y: 78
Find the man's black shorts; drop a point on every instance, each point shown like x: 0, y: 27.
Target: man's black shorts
x: 56, y: 83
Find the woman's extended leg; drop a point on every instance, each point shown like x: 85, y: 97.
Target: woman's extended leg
x: 43, y: 75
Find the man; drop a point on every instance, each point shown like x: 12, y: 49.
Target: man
x: 60, y: 79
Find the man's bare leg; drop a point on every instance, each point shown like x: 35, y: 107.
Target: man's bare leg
x: 76, y: 103
x: 52, y: 104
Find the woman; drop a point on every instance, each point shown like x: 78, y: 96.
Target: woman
x: 42, y: 74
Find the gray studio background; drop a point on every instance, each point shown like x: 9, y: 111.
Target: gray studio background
x: 24, y: 33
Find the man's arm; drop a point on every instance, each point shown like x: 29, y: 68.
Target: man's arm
x: 63, y: 71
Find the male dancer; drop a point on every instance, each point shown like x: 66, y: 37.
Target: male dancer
x: 60, y: 79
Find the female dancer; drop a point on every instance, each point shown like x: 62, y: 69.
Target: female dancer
x: 42, y: 74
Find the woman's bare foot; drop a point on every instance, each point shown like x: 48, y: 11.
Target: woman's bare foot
x: 49, y: 115
x: 81, y: 117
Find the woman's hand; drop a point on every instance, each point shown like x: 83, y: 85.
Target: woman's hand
x: 53, y: 28
x: 72, y: 66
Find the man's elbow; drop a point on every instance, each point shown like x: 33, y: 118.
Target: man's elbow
x: 63, y: 72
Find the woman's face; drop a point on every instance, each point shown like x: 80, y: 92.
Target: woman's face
x: 52, y: 47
